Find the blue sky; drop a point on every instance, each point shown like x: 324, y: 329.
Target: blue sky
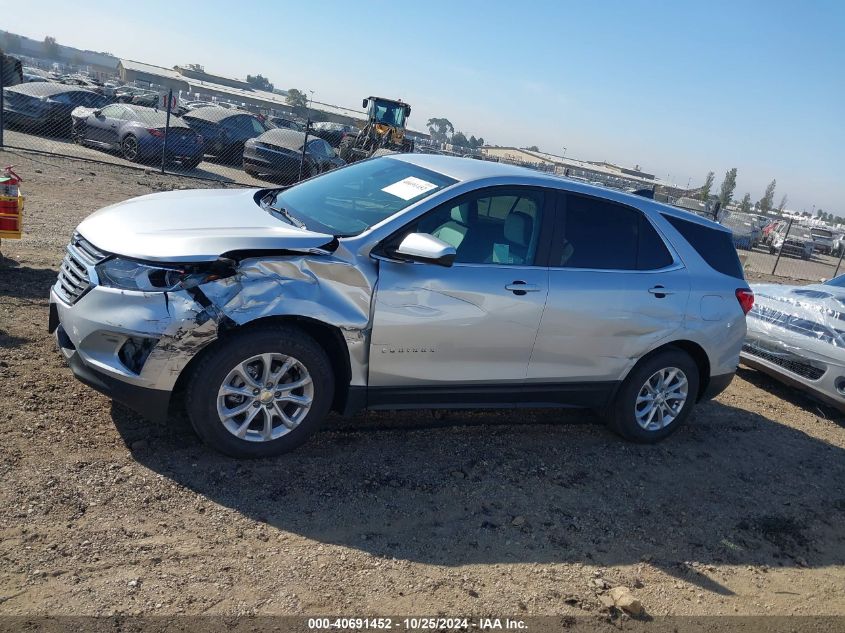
x: 679, y: 88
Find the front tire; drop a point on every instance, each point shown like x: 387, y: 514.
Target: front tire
x: 656, y: 397
x: 260, y: 393
x: 129, y: 148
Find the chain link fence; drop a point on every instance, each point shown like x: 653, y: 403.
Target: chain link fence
x: 789, y: 247
x: 108, y: 121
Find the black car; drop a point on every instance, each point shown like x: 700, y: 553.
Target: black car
x: 334, y: 133
x: 47, y: 106
x: 290, y: 124
x: 278, y: 153
x: 225, y: 131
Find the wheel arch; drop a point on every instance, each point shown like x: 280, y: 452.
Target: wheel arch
x: 698, y: 355
x: 329, y: 337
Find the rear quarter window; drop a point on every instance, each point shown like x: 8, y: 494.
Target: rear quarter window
x: 715, y: 247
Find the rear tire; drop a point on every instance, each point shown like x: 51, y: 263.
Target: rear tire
x: 630, y: 414
x: 235, y: 374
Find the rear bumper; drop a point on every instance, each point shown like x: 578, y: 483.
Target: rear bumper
x: 270, y: 162
x: 717, y: 385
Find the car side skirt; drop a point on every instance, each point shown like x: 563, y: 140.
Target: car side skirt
x: 496, y: 396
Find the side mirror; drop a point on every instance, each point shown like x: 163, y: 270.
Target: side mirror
x: 407, y: 111
x: 97, y: 112
x: 422, y: 247
x: 364, y: 103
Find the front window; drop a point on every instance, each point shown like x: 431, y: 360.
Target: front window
x: 349, y: 201
x: 389, y: 113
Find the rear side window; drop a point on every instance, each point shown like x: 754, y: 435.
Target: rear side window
x: 715, y: 247
x: 603, y: 235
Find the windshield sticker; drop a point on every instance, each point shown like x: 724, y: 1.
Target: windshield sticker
x: 409, y: 188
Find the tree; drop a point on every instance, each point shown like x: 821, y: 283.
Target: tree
x: 11, y: 42
x: 819, y: 213
x: 768, y: 198
x: 782, y: 204
x: 259, y: 82
x: 726, y: 193
x: 707, y: 186
x: 533, y: 148
x: 745, y: 205
x: 77, y: 59
x: 440, y: 129
x: 459, y: 139
x: 51, y: 49
x: 298, y: 100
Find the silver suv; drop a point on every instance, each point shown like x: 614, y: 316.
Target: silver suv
x: 407, y: 281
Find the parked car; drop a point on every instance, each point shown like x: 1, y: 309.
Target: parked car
x: 225, y: 131
x: 137, y: 133
x: 795, y: 335
x: 148, y: 98
x: 125, y: 94
x: 83, y: 82
x: 769, y: 231
x: 333, y: 133
x: 278, y: 153
x: 746, y: 233
x: 46, y: 106
x: 798, y: 243
x: 403, y: 281
x: 823, y: 239
x: 289, y: 124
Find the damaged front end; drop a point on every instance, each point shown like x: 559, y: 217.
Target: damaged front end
x: 797, y: 335
x: 140, y: 324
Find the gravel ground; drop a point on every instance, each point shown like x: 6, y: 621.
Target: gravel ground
x: 516, y: 512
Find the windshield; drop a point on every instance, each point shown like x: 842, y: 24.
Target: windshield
x: 389, y: 113
x: 821, y: 232
x: 839, y: 282
x: 350, y: 200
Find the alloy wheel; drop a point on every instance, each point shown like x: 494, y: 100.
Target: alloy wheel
x: 661, y: 399
x: 265, y: 397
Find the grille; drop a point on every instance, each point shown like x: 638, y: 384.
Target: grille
x: 793, y: 364
x: 73, y: 279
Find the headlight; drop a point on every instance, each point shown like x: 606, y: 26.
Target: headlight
x: 131, y: 275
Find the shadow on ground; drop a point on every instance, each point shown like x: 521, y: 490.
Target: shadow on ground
x: 534, y: 486
x: 23, y: 282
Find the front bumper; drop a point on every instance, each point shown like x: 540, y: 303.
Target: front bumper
x: 93, y: 334
x: 816, y: 373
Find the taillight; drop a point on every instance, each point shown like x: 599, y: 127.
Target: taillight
x: 746, y: 299
x: 155, y: 132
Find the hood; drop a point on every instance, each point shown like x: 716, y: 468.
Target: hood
x: 193, y: 226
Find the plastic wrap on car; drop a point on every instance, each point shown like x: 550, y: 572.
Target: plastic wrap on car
x: 798, y: 322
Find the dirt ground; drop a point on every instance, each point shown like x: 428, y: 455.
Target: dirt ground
x: 518, y: 512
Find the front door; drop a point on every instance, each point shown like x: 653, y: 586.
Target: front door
x: 472, y: 323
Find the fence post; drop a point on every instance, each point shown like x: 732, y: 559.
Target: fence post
x: 304, y: 146
x: 166, y: 130
x: 839, y: 263
x: 2, y: 96
x: 780, y: 250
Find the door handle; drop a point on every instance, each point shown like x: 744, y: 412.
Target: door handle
x: 660, y: 292
x: 520, y: 288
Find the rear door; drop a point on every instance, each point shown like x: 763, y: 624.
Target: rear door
x: 474, y: 323
x: 616, y: 289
